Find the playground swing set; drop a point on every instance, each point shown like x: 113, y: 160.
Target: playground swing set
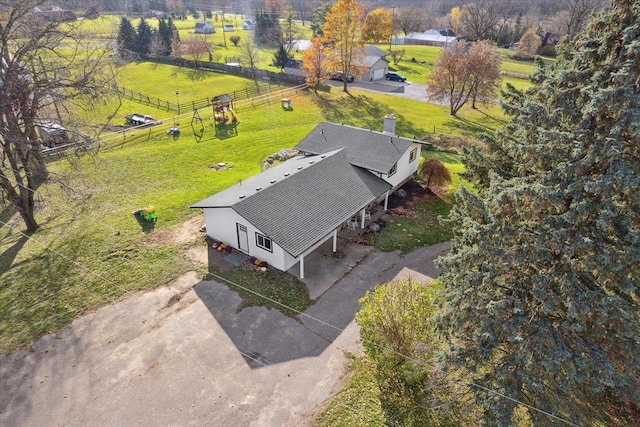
x: 225, y: 119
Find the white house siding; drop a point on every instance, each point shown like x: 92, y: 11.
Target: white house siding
x: 373, y: 73
x: 404, y: 169
x: 221, y: 226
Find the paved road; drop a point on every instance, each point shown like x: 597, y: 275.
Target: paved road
x: 189, y: 354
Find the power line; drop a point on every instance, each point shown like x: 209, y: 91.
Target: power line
x: 486, y: 389
x: 300, y: 313
x: 261, y: 361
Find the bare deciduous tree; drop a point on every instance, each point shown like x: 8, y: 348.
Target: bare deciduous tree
x: 46, y: 68
x: 195, y: 47
x: 464, y: 73
x: 578, y: 13
x: 484, y: 62
x: 250, y: 55
x: 409, y: 20
x: 483, y: 19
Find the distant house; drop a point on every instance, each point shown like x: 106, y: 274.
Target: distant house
x: 375, y: 64
x: 548, y: 38
x: 298, y: 45
x: 227, y: 28
x: 283, y: 214
x: 54, y: 13
x: 433, y: 37
x: 294, y: 66
x: 204, y: 28
x: 249, y: 24
x: 158, y: 14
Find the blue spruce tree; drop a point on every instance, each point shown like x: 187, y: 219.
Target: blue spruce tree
x: 542, y: 298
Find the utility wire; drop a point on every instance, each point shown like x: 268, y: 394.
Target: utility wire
x: 262, y: 361
x: 486, y: 389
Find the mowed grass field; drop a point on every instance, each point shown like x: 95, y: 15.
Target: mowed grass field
x: 90, y: 249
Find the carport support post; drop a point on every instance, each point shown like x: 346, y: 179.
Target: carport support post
x: 386, y: 201
x: 302, y: 267
x: 362, y: 219
x: 335, y: 240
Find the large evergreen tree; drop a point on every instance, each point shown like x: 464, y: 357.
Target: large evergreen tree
x: 268, y: 31
x: 167, y: 33
x: 144, y: 37
x: 542, y: 282
x: 126, y: 35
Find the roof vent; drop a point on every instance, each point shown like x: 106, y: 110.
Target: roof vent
x: 323, y: 156
x: 241, y: 196
x: 299, y: 167
x: 273, y: 181
x: 286, y: 174
x: 258, y: 188
x: 311, y: 162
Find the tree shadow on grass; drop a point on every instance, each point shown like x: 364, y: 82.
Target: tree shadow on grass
x: 465, y: 126
x: 195, y: 75
x: 7, y: 213
x: 9, y: 255
x: 364, y: 112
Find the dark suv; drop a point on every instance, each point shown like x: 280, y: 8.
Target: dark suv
x: 339, y: 76
x: 396, y: 77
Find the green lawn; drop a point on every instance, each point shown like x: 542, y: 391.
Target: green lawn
x: 358, y: 403
x: 90, y: 249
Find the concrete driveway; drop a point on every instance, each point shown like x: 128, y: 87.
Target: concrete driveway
x: 186, y: 354
x: 408, y: 89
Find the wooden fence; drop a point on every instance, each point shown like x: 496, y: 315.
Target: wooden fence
x: 249, y: 92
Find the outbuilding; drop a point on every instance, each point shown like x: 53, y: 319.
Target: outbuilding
x: 204, y: 28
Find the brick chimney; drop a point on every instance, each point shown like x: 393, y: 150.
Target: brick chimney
x: 389, y: 124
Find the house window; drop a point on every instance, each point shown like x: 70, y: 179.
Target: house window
x: 264, y: 242
x: 413, y: 154
x: 393, y: 170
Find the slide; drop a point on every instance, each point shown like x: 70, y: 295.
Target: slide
x: 233, y: 118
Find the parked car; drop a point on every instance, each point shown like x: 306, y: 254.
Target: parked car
x: 340, y: 77
x: 396, y: 77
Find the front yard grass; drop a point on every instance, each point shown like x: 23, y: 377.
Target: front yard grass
x: 91, y: 251
x: 271, y: 288
x: 358, y: 403
x: 417, y: 222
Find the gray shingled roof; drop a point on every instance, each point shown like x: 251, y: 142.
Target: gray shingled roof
x: 375, y: 51
x: 368, y: 149
x: 298, y: 210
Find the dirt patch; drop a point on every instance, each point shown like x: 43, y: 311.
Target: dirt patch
x: 186, y: 232
x: 198, y: 254
x: 403, y: 206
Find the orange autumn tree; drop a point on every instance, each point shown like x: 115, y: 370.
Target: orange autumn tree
x: 378, y: 26
x: 313, y: 63
x: 343, y: 38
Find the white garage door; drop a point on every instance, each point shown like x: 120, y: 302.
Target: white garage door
x: 378, y: 74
